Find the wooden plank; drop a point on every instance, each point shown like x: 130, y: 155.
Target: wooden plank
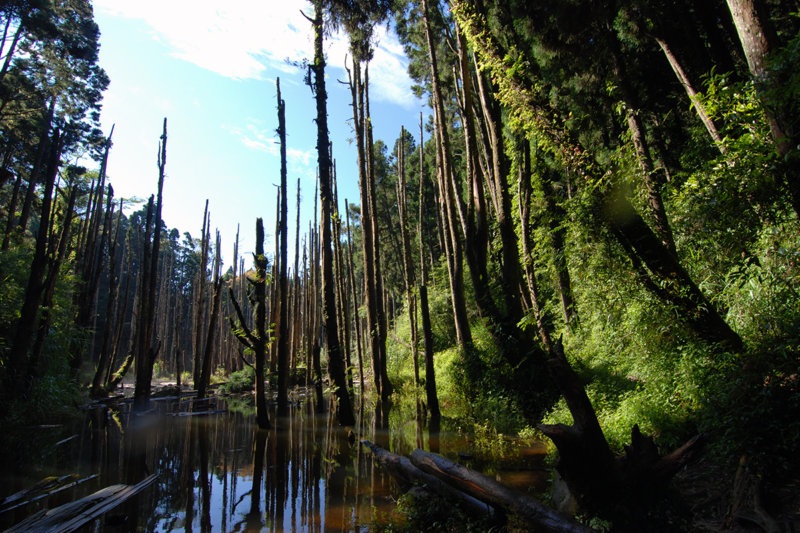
x: 32, y: 495
x: 71, y: 516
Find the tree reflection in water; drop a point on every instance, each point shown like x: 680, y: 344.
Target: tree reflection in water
x: 218, y: 472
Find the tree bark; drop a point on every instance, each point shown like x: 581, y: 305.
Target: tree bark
x: 282, y: 318
x: 336, y: 367
x: 26, y: 324
x: 759, y: 40
x: 448, y: 199
x: 427, y: 331
x: 536, y: 515
x: 148, y: 347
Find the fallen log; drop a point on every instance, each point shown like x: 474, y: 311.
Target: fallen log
x: 71, y: 516
x: 401, y: 469
x: 43, y: 489
x: 538, y: 516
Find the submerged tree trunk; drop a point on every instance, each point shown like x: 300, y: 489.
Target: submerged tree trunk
x: 282, y: 299
x: 208, y: 352
x: 256, y: 339
x: 336, y: 367
x: 147, y: 348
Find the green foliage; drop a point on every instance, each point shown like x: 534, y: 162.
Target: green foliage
x: 241, y: 381
x: 419, y: 510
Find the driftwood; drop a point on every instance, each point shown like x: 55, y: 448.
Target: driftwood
x: 43, y: 489
x: 73, y: 515
x: 407, y: 474
x: 539, y: 517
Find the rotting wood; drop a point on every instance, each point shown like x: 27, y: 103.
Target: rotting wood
x: 73, y: 515
x: 43, y: 489
x: 537, y: 516
x: 402, y: 469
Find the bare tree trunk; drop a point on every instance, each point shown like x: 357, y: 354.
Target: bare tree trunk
x: 18, y: 354
x: 282, y: 299
x: 106, y: 354
x: 427, y: 330
x: 56, y: 254
x: 527, y: 243
x: 200, y: 288
x: 356, y: 299
x: 336, y: 367
x: 759, y: 40
x: 451, y: 235
x: 256, y: 340
x: 147, y: 349
x: 408, y: 266
x: 698, y: 106
x: 208, y: 353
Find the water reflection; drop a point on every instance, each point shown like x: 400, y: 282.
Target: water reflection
x: 218, y: 472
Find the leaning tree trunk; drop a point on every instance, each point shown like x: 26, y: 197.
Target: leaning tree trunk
x: 26, y: 324
x: 620, y: 488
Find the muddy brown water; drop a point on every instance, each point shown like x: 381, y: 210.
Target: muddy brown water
x: 217, y: 472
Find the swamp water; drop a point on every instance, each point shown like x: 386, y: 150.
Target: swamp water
x: 217, y: 472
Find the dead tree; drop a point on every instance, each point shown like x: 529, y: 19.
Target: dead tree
x: 336, y: 368
x: 282, y: 297
x: 147, y: 347
x: 200, y: 296
x: 208, y: 352
x: 256, y: 339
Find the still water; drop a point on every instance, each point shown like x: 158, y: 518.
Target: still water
x: 218, y: 472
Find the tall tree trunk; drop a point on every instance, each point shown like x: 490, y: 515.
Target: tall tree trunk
x: 147, y: 349
x: 527, y: 244
x: 447, y: 199
x: 56, y: 254
x: 256, y: 339
x: 200, y: 298
x: 408, y: 265
x: 697, y: 104
x: 372, y: 295
x: 758, y: 40
x: 282, y: 297
x: 26, y: 324
x: 427, y: 330
x: 336, y: 368
x: 386, y: 385
x: 354, y: 292
x: 106, y: 353
x: 208, y: 353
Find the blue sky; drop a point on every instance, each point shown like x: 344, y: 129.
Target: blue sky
x: 210, y: 68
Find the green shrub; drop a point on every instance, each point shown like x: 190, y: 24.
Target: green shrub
x: 242, y: 381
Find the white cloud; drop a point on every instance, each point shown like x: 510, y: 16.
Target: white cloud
x: 255, y: 138
x: 240, y: 39
x: 252, y: 136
